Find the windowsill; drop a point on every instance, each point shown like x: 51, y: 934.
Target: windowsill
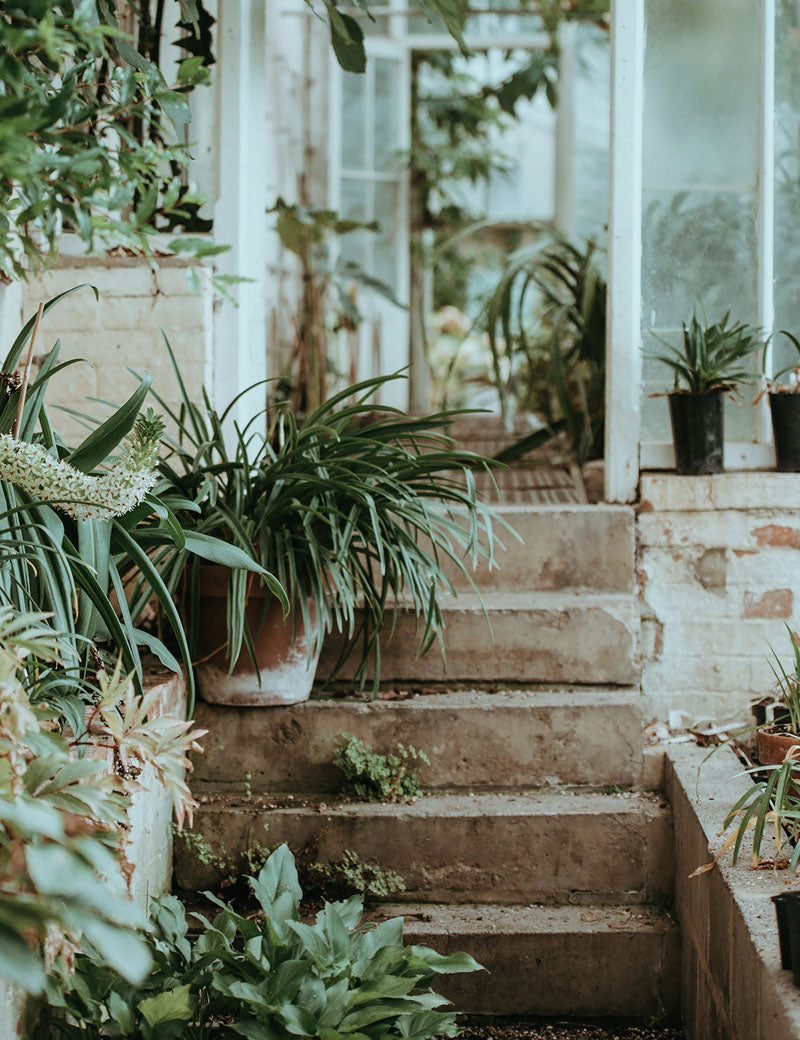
x: 742, y: 489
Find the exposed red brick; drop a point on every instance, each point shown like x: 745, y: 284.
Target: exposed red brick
x: 774, y: 604
x: 780, y: 537
x: 745, y: 552
x: 645, y: 506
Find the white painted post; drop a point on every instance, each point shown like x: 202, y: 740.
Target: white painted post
x: 240, y: 333
x: 624, y: 335
x: 766, y: 201
x: 565, y: 132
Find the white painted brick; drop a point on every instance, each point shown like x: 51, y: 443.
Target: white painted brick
x: 697, y: 704
x: 725, y: 637
x: 712, y: 672
x: 732, y: 529
x: 741, y: 490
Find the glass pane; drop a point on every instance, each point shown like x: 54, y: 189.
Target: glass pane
x: 787, y: 179
x: 701, y: 94
x: 386, y: 112
x: 386, y: 241
x: 700, y: 173
x: 354, y: 118
x: 591, y: 120
x: 355, y: 205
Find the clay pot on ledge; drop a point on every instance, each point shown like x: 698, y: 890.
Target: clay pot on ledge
x: 773, y: 743
x: 285, y: 674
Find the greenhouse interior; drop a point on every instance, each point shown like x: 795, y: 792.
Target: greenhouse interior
x: 395, y: 414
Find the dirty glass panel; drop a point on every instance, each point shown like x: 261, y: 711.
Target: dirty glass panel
x: 700, y: 172
x: 355, y: 204
x: 591, y: 116
x: 386, y: 241
x: 387, y: 108
x: 787, y: 178
x: 354, y: 117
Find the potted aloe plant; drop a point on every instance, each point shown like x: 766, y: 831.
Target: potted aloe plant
x: 355, y: 511
x: 710, y: 364
x: 784, y: 406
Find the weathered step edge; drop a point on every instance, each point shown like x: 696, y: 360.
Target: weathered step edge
x: 516, y: 739
x: 555, y: 848
x: 554, y: 637
x: 580, y: 962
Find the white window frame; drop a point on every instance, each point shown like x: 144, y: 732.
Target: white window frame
x: 625, y: 452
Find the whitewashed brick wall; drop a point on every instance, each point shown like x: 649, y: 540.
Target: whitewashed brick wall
x: 718, y: 565
x: 122, y: 329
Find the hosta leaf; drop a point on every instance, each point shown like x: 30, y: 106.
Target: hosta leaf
x: 173, y: 1004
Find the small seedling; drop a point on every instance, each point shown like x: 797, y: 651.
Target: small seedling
x: 351, y: 876
x: 373, y: 777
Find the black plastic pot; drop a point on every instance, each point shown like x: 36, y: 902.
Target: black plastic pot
x: 697, y: 431
x: 787, y: 910
x: 785, y: 410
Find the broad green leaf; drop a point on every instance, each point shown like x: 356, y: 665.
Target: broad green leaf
x: 172, y: 1004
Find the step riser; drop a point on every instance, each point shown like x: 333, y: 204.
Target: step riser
x: 584, y: 547
x: 577, y: 642
x: 611, y: 974
x: 473, y: 741
x: 445, y: 852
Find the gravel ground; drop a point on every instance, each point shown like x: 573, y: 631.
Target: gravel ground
x: 567, y: 1031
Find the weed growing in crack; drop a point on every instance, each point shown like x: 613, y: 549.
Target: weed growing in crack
x: 373, y: 777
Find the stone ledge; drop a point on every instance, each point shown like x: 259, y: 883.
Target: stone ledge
x: 751, y: 489
x: 733, y: 987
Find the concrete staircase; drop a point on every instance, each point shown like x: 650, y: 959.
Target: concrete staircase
x: 535, y: 846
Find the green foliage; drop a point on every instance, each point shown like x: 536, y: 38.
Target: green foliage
x: 546, y: 321
x: 327, y: 300
x: 772, y: 803
x: 713, y: 355
x: 355, y: 511
x: 351, y: 876
x: 80, y: 564
x: 73, y: 94
x: 267, y: 976
x: 63, y: 817
x: 373, y: 777
x: 788, y: 683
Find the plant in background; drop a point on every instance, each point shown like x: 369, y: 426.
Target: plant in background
x: 74, y: 90
x: 712, y: 356
x: 373, y: 777
x: 712, y: 361
x: 312, y: 236
x: 546, y: 320
x: 350, y: 876
x: 266, y: 976
x: 63, y: 822
x: 355, y: 511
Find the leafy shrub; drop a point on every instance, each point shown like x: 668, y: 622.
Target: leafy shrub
x: 351, y: 876
x: 265, y: 979
x: 373, y: 777
x: 63, y: 872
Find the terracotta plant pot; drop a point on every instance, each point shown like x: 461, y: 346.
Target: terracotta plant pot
x: 285, y: 674
x: 773, y: 745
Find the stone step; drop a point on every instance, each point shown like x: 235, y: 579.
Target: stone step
x: 582, y: 546
x: 552, y: 637
x: 546, y: 847
x: 474, y: 739
x: 576, y: 962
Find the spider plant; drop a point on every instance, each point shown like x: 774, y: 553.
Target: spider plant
x: 788, y: 683
x: 74, y: 569
x: 713, y: 356
x: 772, y: 801
x: 356, y: 511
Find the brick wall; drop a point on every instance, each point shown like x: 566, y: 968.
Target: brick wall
x: 718, y: 564
x: 122, y: 329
